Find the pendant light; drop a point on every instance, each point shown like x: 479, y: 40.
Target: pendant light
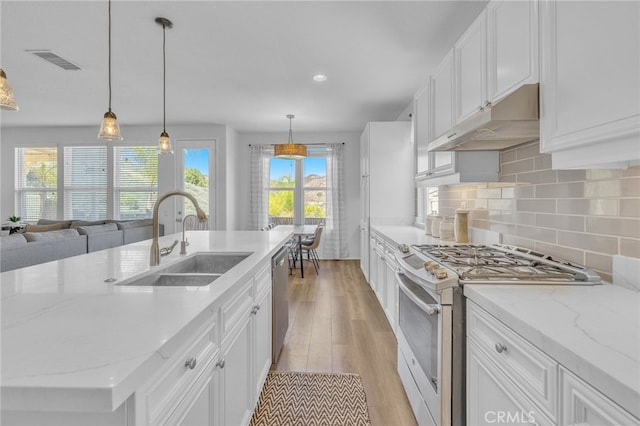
x: 7, y: 101
x: 109, y: 128
x: 290, y: 150
x: 164, y: 144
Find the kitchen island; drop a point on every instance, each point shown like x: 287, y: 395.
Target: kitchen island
x: 77, y: 347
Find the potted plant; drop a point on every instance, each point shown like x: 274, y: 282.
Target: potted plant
x: 15, y: 220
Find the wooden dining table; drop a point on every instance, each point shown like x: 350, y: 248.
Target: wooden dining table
x: 299, y: 231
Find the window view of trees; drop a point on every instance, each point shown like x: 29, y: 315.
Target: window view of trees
x: 136, y: 181
x: 36, y: 182
x: 196, y: 178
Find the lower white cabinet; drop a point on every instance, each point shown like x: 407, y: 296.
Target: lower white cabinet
x: 510, y: 381
x: 584, y: 405
x: 391, y: 288
x: 492, y: 398
x: 235, y: 375
x: 262, y: 336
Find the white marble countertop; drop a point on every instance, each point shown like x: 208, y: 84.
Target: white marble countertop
x: 66, y: 333
x: 593, y: 331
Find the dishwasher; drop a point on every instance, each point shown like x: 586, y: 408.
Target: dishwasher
x: 280, y: 301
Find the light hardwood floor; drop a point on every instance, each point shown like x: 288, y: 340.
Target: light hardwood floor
x: 337, y: 325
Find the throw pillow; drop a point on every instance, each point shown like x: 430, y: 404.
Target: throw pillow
x: 65, y: 223
x: 43, y: 228
x: 76, y: 223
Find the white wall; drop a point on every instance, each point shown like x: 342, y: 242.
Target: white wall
x: 167, y: 179
x: 352, y: 175
x: 234, y: 174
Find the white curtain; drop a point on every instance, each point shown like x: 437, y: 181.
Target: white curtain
x: 259, y: 195
x: 335, y: 234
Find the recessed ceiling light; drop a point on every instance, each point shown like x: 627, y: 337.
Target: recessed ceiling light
x: 320, y: 77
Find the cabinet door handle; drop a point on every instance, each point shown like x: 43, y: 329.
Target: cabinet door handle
x: 500, y: 348
x: 451, y: 135
x: 220, y: 363
x: 255, y: 309
x: 190, y: 363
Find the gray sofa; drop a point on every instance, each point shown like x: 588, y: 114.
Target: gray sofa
x: 75, y: 237
x: 31, y: 248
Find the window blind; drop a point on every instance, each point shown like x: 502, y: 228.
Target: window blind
x: 85, y: 182
x: 135, y: 181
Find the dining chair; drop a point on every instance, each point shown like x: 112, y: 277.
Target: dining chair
x: 310, y: 248
x: 192, y: 223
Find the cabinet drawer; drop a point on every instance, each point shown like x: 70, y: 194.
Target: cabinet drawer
x: 179, y: 373
x: 583, y: 404
x: 236, y: 306
x: 529, y: 368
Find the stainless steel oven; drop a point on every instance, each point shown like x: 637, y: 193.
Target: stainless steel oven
x: 431, y: 310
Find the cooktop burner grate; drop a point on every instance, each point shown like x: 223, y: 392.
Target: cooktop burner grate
x: 500, y: 263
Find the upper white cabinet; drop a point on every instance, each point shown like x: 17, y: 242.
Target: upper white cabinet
x: 590, y: 63
x: 512, y: 46
x: 470, y: 59
x: 422, y: 129
x: 442, y: 95
x: 387, y: 170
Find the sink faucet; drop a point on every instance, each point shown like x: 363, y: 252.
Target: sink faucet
x: 154, y: 258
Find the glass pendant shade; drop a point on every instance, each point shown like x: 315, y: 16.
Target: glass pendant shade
x: 164, y: 144
x: 109, y: 128
x: 290, y: 150
x: 7, y: 101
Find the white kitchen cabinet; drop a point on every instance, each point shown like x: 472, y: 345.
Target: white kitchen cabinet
x: 175, y: 391
x: 512, y: 46
x: 422, y: 130
x: 373, y: 262
x: 529, y: 369
x: 387, y: 183
x: 590, y: 62
x: 381, y: 287
x: 200, y: 405
x: 442, y: 96
x: 236, y: 381
x: 507, y: 376
x: 391, y: 299
x: 584, y: 405
x: 470, y: 70
x: 262, y: 312
x: 494, y: 399
x: 364, y: 250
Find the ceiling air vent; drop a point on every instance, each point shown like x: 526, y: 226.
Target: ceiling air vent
x: 49, y: 56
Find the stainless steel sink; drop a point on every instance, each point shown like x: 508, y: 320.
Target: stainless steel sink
x: 174, y: 280
x: 207, y: 263
x: 198, y: 270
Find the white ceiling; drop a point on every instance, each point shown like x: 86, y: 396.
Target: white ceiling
x: 242, y: 63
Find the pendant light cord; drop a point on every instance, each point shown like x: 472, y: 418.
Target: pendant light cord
x: 164, y: 80
x: 290, y: 132
x: 109, y: 55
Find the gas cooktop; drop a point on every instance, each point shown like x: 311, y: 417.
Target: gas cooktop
x: 503, y: 264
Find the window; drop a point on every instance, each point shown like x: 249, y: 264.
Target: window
x: 195, y: 168
x: 135, y: 184
x: 36, y: 187
x: 315, y: 189
x: 298, y: 189
x: 93, y: 182
x: 85, y: 182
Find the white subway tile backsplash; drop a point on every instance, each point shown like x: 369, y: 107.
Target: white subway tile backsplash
x: 584, y: 216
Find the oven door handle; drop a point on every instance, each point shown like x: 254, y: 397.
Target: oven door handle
x: 429, y: 309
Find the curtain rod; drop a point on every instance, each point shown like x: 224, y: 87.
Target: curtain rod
x: 307, y: 144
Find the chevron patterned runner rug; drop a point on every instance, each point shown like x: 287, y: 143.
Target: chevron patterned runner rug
x: 290, y: 398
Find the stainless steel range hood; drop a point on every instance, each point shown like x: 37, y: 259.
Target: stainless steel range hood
x: 511, y: 121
